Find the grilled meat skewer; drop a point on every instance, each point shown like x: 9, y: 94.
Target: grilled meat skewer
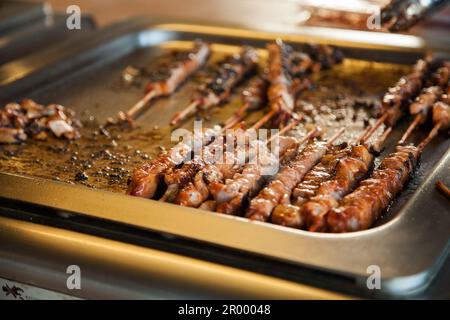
x: 253, y: 98
x: 146, y: 178
x: 361, y: 208
x: 287, y: 75
x: 282, y: 86
x: 230, y: 72
x: 198, y: 191
x: 349, y: 172
x: 404, y: 91
x: 168, y: 78
x: 421, y: 107
x: 176, y: 178
x: 279, y: 190
x: 291, y: 214
x: 298, y: 66
x: 232, y: 195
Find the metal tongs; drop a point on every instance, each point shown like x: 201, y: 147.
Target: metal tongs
x: 400, y: 15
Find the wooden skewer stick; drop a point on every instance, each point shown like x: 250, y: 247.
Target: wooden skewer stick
x: 375, y: 126
x: 411, y: 128
x: 443, y: 188
x: 138, y: 107
x: 230, y: 123
x: 363, y: 136
x: 433, y: 133
x: 264, y: 119
x: 335, y: 136
x: 284, y: 130
x: 377, y: 144
x: 239, y: 114
x: 132, y: 113
x: 188, y: 111
x: 366, y: 134
x: 316, y: 131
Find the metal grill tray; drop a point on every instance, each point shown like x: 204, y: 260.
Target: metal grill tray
x: 408, y: 246
x: 38, y: 36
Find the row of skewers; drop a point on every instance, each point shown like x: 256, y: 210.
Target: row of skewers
x: 231, y: 71
x: 319, y: 186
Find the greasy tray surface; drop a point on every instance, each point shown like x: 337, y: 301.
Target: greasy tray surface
x: 401, y: 247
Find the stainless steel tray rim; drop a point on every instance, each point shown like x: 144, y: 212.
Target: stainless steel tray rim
x: 316, y: 34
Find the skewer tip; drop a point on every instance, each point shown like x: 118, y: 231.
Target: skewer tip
x: 374, y: 128
x: 410, y: 129
x: 433, y: 133
x: 335, y: 136
x: 443, y: 189
x: 181, y: 115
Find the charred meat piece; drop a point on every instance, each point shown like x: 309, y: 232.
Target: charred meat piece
x: 166, y: 79
x: 33, y: 120
x: 147, y: 177
x: 279, y: 189
x: 217, y: 89
x: 361, y: 208
x: 234, y: 193
x: 290, y: 214
x: 349, y: 172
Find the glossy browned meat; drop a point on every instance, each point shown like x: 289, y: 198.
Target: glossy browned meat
x: 255, y: 95
x: 234, y: 194
x: 441, y: 115
x: 349, y: 171
x: 290, y: 214
x: 280, y: 93
x: 425, y: 101
x: 146, y: 178
x: 404, y: 91
x: 167, y: 79
x: 213, y: 173
x: 219, y: 86
x: 280, y: 188
x: 361, y: 208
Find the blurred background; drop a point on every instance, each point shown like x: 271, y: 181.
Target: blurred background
x: 343, y: 14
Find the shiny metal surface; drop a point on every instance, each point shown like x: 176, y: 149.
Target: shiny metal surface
x: 38, y: 36
x: 22, y: 75
x: 116, y: 270
x: 401, y: 247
